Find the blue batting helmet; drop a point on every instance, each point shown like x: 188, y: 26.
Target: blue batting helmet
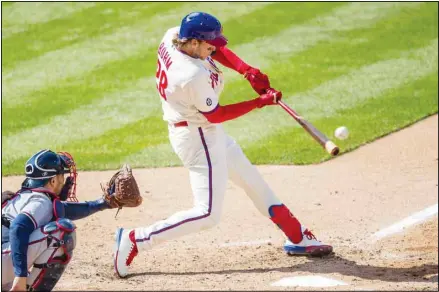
x: 42, y: 166
x: 202, y: 26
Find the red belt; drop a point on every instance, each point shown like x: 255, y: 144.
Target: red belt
x: 181, y: 124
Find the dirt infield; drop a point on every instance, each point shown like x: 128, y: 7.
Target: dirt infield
x: 344, y: 201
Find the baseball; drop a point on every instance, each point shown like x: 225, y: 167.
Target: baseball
x: 341, y: 133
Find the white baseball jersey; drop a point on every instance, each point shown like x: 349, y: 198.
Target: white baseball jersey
x: 189, y: 86
x: 186, y: 85
x: 37, y: 206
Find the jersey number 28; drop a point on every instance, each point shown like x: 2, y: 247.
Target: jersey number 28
x: 161, y: 80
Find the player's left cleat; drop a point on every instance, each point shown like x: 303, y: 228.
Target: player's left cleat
x: 309, y: 246
x: 125, y: 250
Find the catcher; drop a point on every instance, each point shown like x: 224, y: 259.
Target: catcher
x: 38, y: 235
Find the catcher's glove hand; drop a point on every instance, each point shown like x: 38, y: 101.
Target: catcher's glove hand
x: 122, y: 190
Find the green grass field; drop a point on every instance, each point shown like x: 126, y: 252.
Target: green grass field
x: 79, y: 77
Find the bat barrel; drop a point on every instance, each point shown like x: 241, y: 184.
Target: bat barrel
x: 331, y: 148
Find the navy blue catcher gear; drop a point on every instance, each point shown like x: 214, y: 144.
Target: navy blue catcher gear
x: 42, y: 166
x: 202, y: 26
x: 51, y: 264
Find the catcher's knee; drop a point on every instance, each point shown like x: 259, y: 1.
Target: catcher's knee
x: 51, y: 264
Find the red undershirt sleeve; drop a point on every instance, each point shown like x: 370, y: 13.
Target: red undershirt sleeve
x: 229, y: 59
x: 231, y: 111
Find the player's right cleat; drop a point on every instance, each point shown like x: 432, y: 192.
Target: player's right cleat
x: 309, y: 246
x: 125, y: 250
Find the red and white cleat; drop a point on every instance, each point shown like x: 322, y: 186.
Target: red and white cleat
x: 309, y: 246
x: 125, y: 250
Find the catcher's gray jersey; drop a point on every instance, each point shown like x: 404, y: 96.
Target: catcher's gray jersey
x: 37, y: 206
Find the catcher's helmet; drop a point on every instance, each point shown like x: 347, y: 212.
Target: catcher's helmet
x: 42, y: 166
x: 202, y: 26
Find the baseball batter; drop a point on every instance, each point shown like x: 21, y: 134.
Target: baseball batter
x: 189, y: 84
x: 38, y: 236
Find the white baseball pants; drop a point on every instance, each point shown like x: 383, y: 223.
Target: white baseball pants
x: 211, y: 157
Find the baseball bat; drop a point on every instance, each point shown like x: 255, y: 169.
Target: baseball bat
x: 330, y: 147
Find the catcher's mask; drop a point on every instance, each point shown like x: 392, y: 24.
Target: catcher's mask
x: 46, y: 164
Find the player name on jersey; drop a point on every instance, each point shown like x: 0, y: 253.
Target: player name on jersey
x: 164, y: 55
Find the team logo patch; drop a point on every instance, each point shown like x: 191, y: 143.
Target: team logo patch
x: 208, y: 101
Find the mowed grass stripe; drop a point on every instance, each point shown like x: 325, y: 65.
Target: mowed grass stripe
x: 372, y: 12
x: 106, y: 17
x: 378, y: 116
x: 65, y: 103
x: 346, y: 92
x: 103, y: 18
x: 6, y: 4
x: 19, y: 16
x: 113, y: 111
x: 75, y: 60
x: 352, y: 49
x: 387, y: 39
x: 367, y: 121
x: 322, y: 28
x: 345, y: 49
x: 77, y: 91
x: 107, y: 150
x: 106, y: 143
x: 346, y: 14
x: 266, y: 22
x: 343, y: 92
x: 165, y: 145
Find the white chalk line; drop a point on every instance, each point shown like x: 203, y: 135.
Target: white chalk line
x: 400, y: 226
x: 404, y: 224
x: 308, y: 281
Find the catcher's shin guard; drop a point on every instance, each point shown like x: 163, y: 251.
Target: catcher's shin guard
x: 51, y: 264
x: 50, y: 275
x: 289, y: 224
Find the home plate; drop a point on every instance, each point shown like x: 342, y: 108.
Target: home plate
x: 308, y: 281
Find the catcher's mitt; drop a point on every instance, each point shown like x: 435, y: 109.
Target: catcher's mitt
x: 122, y: 190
